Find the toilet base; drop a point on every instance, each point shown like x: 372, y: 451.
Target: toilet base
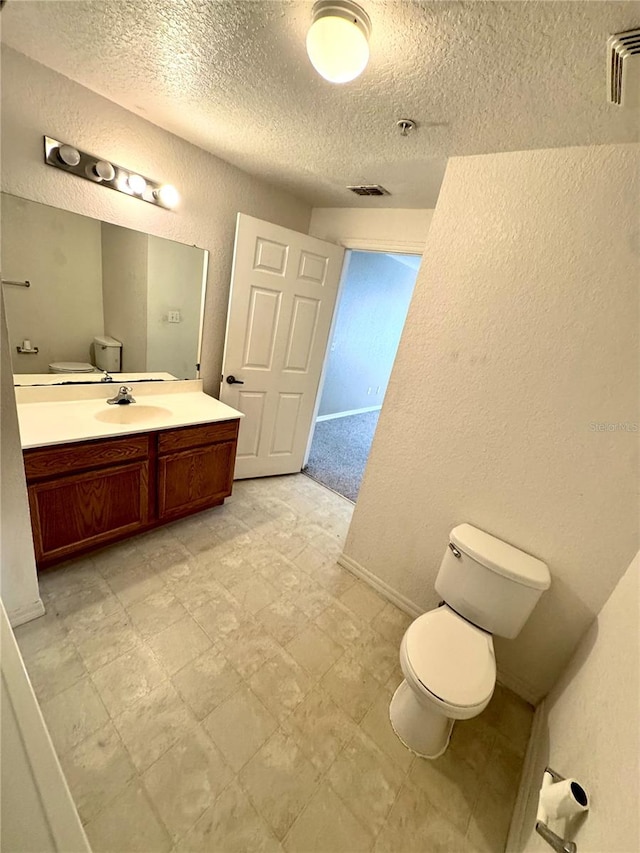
x: 421, y: 729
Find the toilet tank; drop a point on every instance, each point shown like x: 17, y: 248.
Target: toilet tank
x: 107, y: 353
x: 489, y: 582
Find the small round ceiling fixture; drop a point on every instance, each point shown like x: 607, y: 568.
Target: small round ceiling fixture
x: 338, y: 40
x: 405, y: 126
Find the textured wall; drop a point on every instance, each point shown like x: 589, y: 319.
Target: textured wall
x: 372, y: 308
x: 36, y: 100
x: 60, y: 254
x: 591, y: 729
x: 521, y: 333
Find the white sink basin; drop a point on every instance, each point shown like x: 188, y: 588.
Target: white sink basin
x: 131, y: 413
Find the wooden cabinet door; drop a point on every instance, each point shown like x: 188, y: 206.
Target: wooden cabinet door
x: 195, y: 479
x: 75, y: 513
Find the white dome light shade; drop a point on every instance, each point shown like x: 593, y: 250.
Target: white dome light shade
x: 338, y: 40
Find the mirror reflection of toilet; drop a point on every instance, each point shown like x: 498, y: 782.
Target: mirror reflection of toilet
x: 447, y: 658
x: 107, y: 357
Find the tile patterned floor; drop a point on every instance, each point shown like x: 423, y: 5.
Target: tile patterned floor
x: 223, y: 685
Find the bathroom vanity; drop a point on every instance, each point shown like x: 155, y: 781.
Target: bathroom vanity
x: 97, y: 474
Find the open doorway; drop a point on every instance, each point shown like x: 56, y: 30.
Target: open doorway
x: 370, y: 314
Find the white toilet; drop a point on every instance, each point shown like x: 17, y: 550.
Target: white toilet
x: 107, y: 357
x: 447, y: 655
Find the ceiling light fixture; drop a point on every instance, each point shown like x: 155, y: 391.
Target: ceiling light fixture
x: 405, y: 126
x: 338, y: 40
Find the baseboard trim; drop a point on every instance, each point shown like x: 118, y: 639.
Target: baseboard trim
x: 26, y: 613
x: 522, y: 688
x: 515, y: 838
x: 348, y: 414
x: 380, y: 586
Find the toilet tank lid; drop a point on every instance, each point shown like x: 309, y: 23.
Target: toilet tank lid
x: 500, y: 557
x: 106, y: 341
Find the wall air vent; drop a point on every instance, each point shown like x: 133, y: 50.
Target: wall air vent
x: 623, y: 68
x: 369, y: 189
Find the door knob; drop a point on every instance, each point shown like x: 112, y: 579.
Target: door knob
x: 231, y: 380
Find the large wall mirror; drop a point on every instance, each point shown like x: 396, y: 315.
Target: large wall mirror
x: 89, y: 279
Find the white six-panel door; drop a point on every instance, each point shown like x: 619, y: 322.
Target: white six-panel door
x: 283, y: 293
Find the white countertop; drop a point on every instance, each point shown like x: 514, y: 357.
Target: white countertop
x: 49, y: 416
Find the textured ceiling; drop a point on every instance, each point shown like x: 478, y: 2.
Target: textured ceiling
x: 233, y: 77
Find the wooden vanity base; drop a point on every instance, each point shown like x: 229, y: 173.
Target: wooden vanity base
x: 85, y: 495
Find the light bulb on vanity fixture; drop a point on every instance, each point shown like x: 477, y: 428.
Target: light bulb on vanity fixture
x: 101, y: 170
x: 167, y: 195
x: 338, y: 40
x: 108, y: 174
x: 104, y: 170
x: 137, y: 184
x: 68, y: 155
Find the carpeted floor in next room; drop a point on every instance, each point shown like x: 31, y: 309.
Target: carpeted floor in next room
x: 340, y: 450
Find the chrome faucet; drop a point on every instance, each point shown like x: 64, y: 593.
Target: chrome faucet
x: 122, y: 398
x: 106, y: 377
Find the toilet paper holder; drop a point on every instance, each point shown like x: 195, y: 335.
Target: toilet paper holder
x: 581, y: 803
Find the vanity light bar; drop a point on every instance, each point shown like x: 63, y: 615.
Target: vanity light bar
x: 108, y: 174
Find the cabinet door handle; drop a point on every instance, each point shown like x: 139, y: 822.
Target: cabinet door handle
x: 231, y: 380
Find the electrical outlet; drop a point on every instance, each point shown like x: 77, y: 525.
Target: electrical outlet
x: 174, y: 317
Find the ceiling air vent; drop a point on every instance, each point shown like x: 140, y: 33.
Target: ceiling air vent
x: 369, y: 189
x: 623, y: 68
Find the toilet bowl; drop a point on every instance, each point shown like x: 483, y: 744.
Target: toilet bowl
x: 488, y: 588
x: 450, y: 673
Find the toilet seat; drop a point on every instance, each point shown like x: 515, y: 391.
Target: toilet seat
x: 452, y: 660
x: 71, y: 367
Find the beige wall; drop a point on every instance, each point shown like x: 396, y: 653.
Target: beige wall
x: 18, y: 579
x: 124, y: 285
x: 400, y: 229
x: 59, y: 253
x: 522, y: 332
x: 36, y: 100
x: 589, y: 729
